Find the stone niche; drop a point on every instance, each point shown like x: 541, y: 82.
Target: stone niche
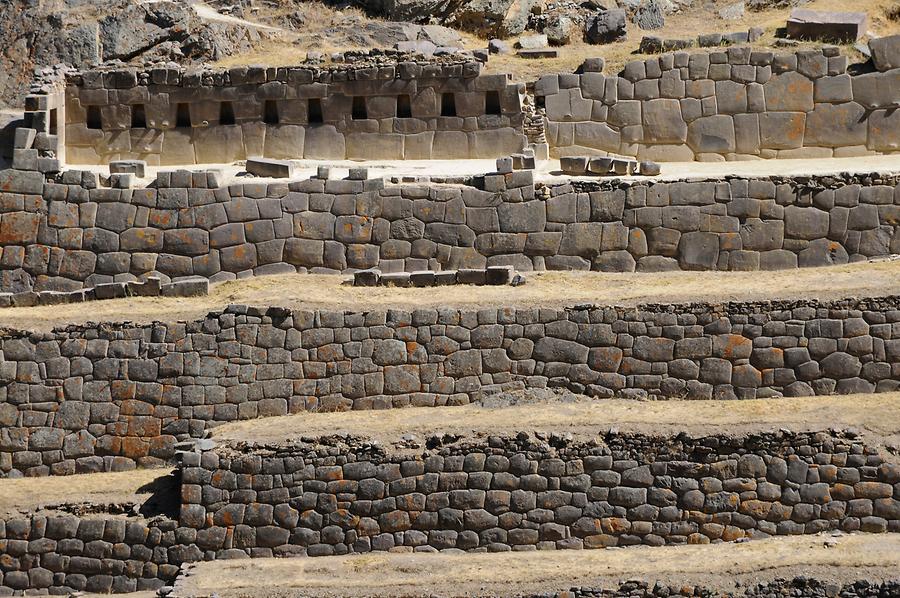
x: 402, y: 111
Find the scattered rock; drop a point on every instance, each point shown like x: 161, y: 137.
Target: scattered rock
x: 606, y: 26
x: 733, y: 12
x: 559, y: 30
x: 498, y: 46
x: 532, y: 42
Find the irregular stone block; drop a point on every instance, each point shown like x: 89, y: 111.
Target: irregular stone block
x: 844, y: 27
x: 265, y: 167
x: 885, y: 52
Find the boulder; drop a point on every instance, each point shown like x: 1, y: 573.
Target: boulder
x: 733, y: 12
x: 605, y: 27
x: 650, y: 15
x: 533, y: 42
x: 885, y: 52
x: 504, y: 18
x: 559, y: 30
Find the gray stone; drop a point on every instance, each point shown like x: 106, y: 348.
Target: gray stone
x: 606, y: 26
x: 266, y: 167
x: 885, y: 52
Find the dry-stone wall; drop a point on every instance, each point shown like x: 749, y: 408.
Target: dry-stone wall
x: 109, y: 397
x: 524, y: 492
x: 339, y: 495
x: 60, y: 552
x: 67, y: 232
x: 365, y: 110
x: 737, y: 103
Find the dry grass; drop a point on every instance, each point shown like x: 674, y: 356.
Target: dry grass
x: 95, y: 489
x: 718, y: 566
x: 546, y: 289
x: 687, y: 24
x: 876, y: 414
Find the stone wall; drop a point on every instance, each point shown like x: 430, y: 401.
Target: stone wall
x: 732, y: 104
x: 110, y: 397
x: 365, y: 110
x: 536, y: 492
x: 523, y: 492
x: 61, y: 552
x: 68, y: 232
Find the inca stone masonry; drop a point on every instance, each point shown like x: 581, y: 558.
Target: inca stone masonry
x: 521, y: 492
x: 109, y: 397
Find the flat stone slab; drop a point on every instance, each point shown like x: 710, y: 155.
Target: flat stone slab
x: 538, y: 53
x: 826, y: 26
x: 276, y: 169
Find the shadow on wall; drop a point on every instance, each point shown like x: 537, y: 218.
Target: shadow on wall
x: 165, y: 496
x: 8, y: 125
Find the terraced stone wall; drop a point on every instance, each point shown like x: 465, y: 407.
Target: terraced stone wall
x: 523, y: 492
x: 396, y: 111
x: 68, y: 232
x: 109, y: 397
x: 733, y: 104
x: 339, y: 495
x: 60, y: 552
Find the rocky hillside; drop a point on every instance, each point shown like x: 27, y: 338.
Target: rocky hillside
x: 86, y: 32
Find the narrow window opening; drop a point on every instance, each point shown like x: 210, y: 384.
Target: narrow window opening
x: 539, y: 102
x: 53, y: 116
x: 93, y: 118
x: 359, y: 108
x: 270, y: 112
x: 138, y: 117
x: 404, y: 106
x: 448, y: 104
x: 226, y: 113
x: 314, y: 111
x: 183, y: 116
x: 492, y: 103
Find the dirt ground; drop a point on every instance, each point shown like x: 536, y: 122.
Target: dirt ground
x: 877, y: 416
x: 545, y: 289
x: 33, y: 494
x: 839, y: 558
x: 689, y: 23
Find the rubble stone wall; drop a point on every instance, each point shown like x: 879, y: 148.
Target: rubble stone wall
x: 522, y: 492
x: 61, y: 552
x: 391, y: 112
x: 733, y: 104
x: 535, y: 492
x: 110, y: 397
x: 67, y: 233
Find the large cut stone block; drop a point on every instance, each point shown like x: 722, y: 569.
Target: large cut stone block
x: 885, y: 52
x: 712, y: 134
x: 284, y: 141
x: 836, y: 125
x: 877, y: 90
x: 663, y: 122
x: 270, y: 168
x: 844, y: 27
x: 324, y: 142
x: 883, y: 128
x: 781, y: 130
x: 568, y: 106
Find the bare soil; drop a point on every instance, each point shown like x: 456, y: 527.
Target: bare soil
x: 876, y: 416
x: 94, y: 489
x: 841, y: 558
x: 689, y: 23
x: 545, y: 289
